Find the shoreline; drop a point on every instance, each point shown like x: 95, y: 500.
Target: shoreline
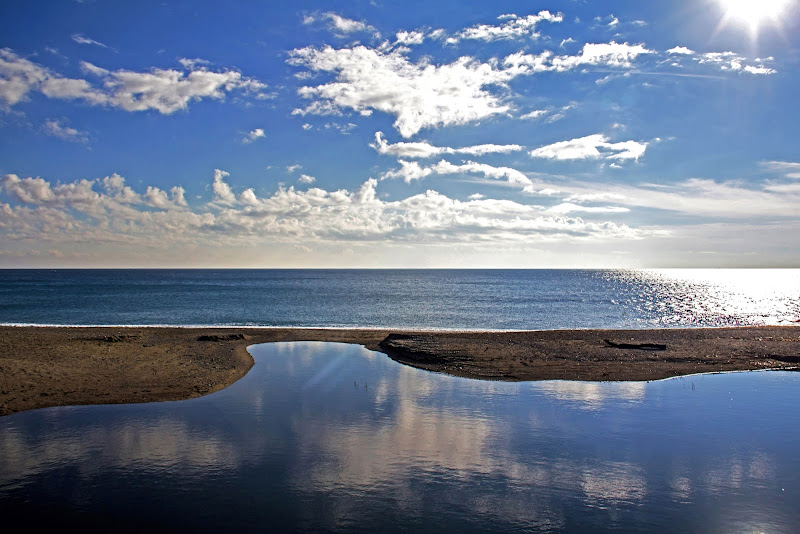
x: 43, y: 366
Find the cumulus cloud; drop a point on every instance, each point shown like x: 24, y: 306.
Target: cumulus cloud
x: 62, y: 131
x: 163, y: 90
x: 410, y: 37
x: 595, y: 146
x: 306, y: 179
x: 253, y: 135
x: 681, y: 50
x: 411, y: 170
x: 423, y: 149
x: 422, y: 94
x: 107, y: 211
x: 419, y: 95
x: 221, y: 190
x: 515, y: 27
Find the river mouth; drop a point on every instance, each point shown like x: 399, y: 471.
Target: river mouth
x: 327, y: 436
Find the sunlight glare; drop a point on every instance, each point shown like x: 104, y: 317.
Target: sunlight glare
x: 754, y: 12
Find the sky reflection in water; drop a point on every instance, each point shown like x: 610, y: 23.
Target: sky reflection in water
x: 331, y: 436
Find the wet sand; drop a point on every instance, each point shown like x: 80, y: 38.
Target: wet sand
x: 56, y: 366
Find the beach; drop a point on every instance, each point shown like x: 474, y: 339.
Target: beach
x: 57, y: 366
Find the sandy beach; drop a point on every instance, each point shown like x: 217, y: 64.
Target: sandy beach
x: 56, y: 366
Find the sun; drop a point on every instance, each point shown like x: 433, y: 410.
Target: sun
x: 753, y: 13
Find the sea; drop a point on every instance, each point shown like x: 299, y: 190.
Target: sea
x: 439, y: 299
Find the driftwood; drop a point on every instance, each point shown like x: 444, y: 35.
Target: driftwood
x: 640, y: 346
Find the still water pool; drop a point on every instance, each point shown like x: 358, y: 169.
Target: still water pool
x: 325, y: 436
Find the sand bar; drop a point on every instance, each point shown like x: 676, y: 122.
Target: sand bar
x: 56, y: 366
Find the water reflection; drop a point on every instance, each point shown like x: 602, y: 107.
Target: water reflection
x: 592, y: 395
x: 330, y: 436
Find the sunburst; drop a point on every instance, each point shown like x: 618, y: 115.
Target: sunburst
x: 753, y: 13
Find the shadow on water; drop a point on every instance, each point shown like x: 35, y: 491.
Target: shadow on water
x: 325, y: 436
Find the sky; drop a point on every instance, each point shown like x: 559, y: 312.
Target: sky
x: 377, y: 134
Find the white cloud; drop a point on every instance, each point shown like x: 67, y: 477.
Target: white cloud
x: 608, y: 54
x: 306, y: 179
x: 18, y: 76
x: 253, y: 135
x: 190, y: 64
x: 410, y: 37
x: 759, y: 70
x: 81, y: 39
x: 169, y: 90
x: 345, y: 129
x: 534, y: 114
x: 515, y: 28
x: 164, y: 90
x: 594, y: 197
x: 731, y: 61
x: 158, y: 198
x: 568, y: 207
x: 77, y: 213
x: 617, y: 55
x: 591, y: 147
x: 291, y: 168
x: 222, y: 191
x: 56, y: 129
x: 424, y: 95
x: 411, y: 170
x: 423, y: 149
x: 550, y: 114
x: 698, y: 197
x: 790, y: 168
x: 419, y: 94
x: 340, y: 24
x: 681, y: 50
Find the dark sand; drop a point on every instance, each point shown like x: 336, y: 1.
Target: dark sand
x: 53, y: 366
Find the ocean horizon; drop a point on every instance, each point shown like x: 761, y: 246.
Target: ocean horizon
x: 413, y: 299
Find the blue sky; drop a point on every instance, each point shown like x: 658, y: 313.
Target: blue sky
x: 413, y: 134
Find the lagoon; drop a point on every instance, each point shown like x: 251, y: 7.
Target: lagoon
x: 325, y: 436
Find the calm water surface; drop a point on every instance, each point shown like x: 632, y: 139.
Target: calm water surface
x: 438, y: 299
x: 322, y: 436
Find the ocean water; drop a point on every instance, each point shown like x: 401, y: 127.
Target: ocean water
x: 333, y: 437
x: 423, y: 299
